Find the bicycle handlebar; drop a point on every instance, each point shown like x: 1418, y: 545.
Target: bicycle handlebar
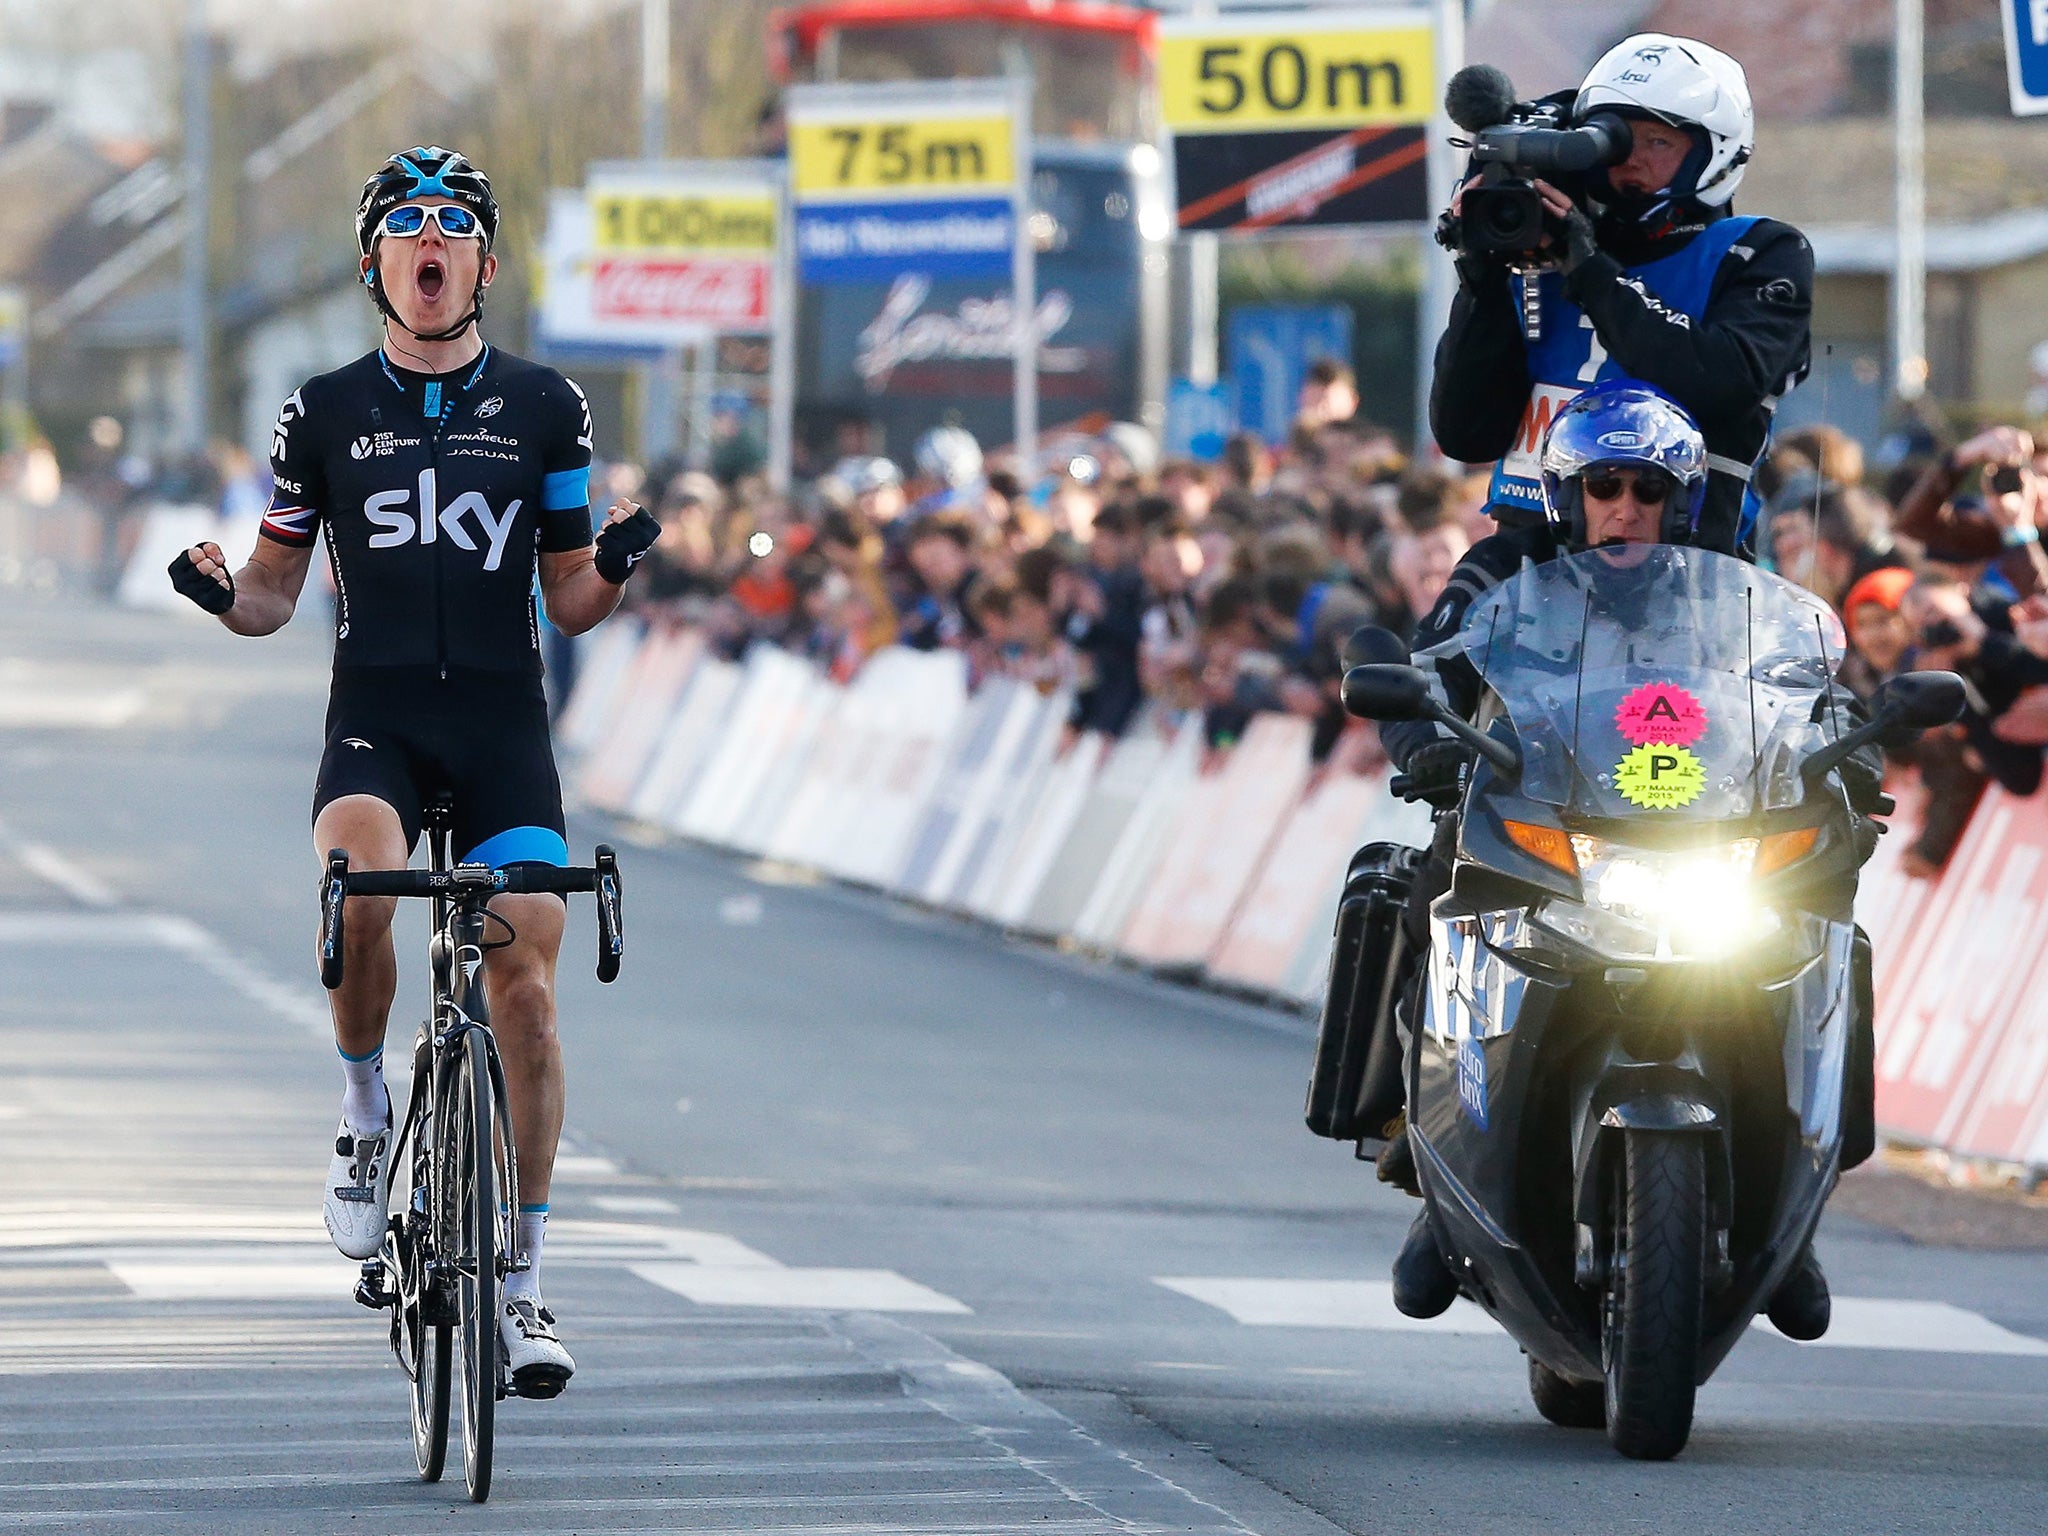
x: 473, y: 881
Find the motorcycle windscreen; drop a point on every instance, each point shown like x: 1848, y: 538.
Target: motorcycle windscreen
x: 1655, y: 680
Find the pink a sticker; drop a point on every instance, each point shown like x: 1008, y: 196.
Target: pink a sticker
x: 1663, y: 713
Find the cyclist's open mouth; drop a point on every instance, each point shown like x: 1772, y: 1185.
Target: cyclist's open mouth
x: 431, y: 278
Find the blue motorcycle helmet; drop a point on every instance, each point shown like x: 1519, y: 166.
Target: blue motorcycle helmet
x: 1622, y: 424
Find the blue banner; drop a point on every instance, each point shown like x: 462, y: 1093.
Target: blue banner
x: 1271, y: 348
x: 873, y: 242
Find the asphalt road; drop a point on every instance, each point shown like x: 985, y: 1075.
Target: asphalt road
x: 871, y: 1220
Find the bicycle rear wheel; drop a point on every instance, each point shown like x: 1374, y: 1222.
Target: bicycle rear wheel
x: 475, y: 1145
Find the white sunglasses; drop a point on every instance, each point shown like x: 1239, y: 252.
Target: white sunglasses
x: 408, y: 219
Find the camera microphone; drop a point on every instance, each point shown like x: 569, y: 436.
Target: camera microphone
x: 1479, y: 97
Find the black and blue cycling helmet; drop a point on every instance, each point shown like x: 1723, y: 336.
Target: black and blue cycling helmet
x: 1622, y: 424
x: 425, y: 170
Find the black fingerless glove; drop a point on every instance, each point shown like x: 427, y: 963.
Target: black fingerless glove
x: 620, y: 545
x: 203, y: 589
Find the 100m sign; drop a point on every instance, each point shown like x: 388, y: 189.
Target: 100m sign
x: 1215, y: 80
x: 950, y: 154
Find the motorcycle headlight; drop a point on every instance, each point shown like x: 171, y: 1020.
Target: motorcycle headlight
x: 1663, y: 904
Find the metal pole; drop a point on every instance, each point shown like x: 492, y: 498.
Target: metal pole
x: 653, y: 79
x: 198, y: 129
x: 1205, y: 306
x: 1439, y: 275
x: 1909, y: 168
x: 657, y: 378
x: 782, y: 345
x: 1024, y: 294
x: 703, y: 379
x: 1205, y: 272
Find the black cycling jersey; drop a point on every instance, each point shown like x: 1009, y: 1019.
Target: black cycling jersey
x: 437, y: 492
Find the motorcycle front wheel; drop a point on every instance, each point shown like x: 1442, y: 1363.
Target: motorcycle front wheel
x: 1650, y: 1344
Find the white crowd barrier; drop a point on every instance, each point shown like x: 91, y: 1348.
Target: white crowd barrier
x: 167, y: 528
x: 1149, y: 848
x: 1226, y: 866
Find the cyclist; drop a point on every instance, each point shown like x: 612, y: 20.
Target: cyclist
x: 446, y: 474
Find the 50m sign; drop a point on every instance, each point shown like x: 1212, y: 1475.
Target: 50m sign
x: 1235, y: 76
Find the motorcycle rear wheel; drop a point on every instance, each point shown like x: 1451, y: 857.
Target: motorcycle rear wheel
x: 1650, y: 1345
x: 1563, y: 1401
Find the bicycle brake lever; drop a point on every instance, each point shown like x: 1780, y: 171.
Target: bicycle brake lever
x: 333, y: 902
x: 611, y: 917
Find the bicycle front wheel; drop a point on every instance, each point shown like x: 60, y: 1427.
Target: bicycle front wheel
x: 476, y: 1180
x: 425, y: 1339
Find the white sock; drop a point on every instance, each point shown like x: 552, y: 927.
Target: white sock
x: 533, y: 1231
x: 365, y: 1101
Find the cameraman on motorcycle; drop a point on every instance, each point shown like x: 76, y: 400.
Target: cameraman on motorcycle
x: 1621, y: 465
x: 1648, y: 275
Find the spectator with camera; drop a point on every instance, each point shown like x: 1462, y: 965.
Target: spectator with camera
x: 1637, y: 268
x: 1972, y: 633
x: 2000, y: 525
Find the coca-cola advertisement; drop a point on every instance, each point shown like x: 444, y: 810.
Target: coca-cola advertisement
x: 727, y: 294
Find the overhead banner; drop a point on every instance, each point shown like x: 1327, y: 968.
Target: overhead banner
x: 1288, y: 118
x: 660, y: 254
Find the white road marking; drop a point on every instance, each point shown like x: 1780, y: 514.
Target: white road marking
x: 823, y: 1290
x: 325, y: 1279
x: 581, y: 1168
x: 297, y: 1005
x: 79, y: 884
x: 1859, y: 1322
x: 1325, y: 1304
x: 634, y: 1205
x: 741, y: 911
x: 33, y: 708
x: 1862, y: 1322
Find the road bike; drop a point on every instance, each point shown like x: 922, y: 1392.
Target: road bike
x: 453, y: 1233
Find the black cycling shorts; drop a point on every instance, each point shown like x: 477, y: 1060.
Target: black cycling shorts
x: 405, y: 735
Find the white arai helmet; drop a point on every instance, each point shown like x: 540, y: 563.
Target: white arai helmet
x: 1688, y: 85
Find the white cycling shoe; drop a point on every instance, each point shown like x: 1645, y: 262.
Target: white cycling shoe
x: 358, y: 1190
x: 534, y: 1358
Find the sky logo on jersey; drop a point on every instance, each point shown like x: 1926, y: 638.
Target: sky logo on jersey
x: 388, y: 510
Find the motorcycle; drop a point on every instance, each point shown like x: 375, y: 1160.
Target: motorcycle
x: 1626, y: 1083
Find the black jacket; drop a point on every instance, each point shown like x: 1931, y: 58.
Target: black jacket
x: 1728, y: 368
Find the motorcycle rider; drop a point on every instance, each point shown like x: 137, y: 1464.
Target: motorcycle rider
x: 1656, y: 279
x: 1621, y: 465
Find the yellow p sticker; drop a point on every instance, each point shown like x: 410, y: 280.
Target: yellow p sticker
x: 1660, y: 777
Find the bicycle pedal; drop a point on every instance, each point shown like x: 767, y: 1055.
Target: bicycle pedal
x: 370, y: 1289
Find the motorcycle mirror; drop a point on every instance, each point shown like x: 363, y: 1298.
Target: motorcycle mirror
x: 1369, y: 645
x: 1921, y: 700
x: 1379, y: 691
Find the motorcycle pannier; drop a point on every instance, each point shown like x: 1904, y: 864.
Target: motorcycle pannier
x: 1355, y: 1086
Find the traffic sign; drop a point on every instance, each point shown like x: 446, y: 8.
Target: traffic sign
x: 858, y: 154
x: 1291, y: 118
x: 1309, y: 69
x: 2026, y: 55
x: 1198, y: 423
x: 665, y: 253
x: 899, y: 183
x: 1271, y: 348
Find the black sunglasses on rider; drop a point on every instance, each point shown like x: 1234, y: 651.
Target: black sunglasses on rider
x: 1651, y: 487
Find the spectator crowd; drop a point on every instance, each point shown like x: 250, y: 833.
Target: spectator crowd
x: 1158, y: 590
